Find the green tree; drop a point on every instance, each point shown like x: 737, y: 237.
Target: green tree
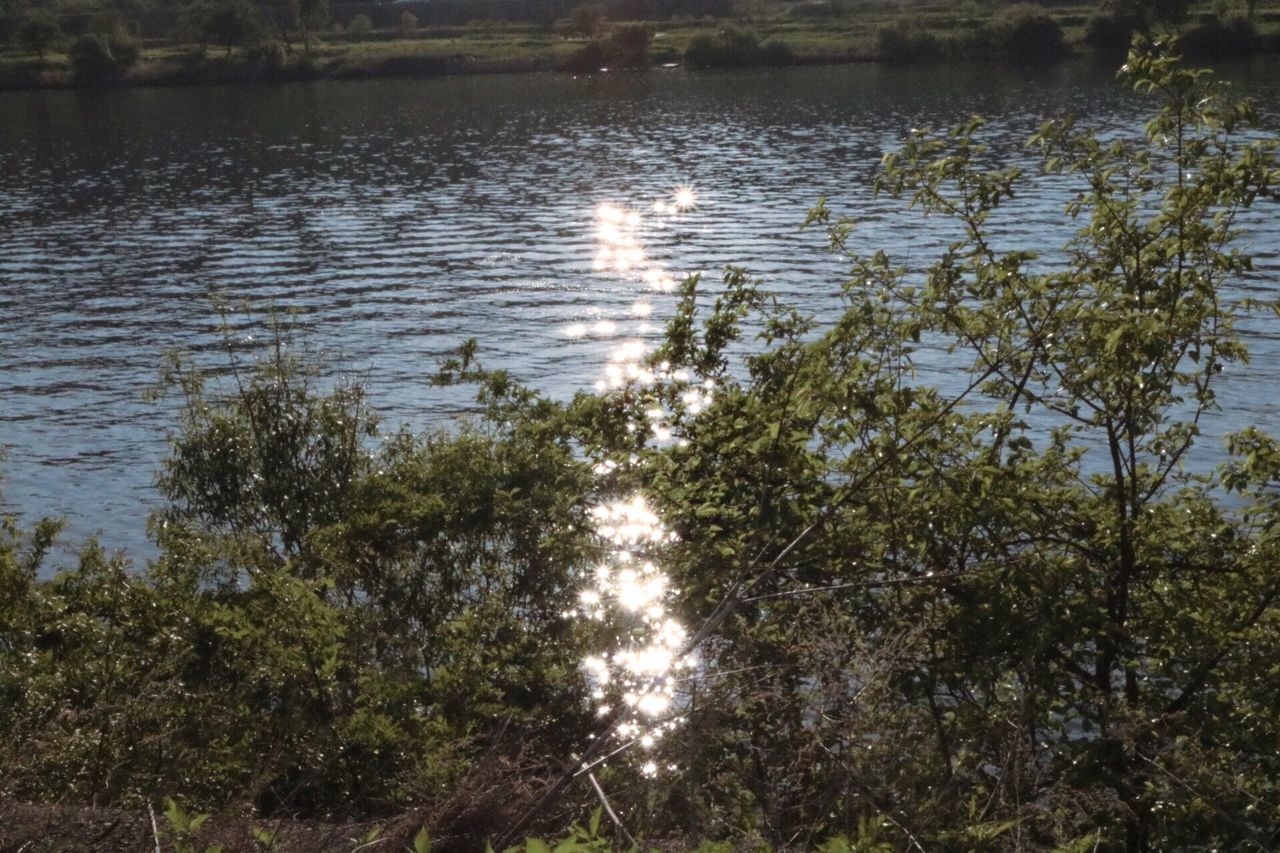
x: 628, y: 45
x: 587, y: 20
x: 360, y: 26
x: 101, y: 58
x: 37, y: 32
x: 1027, y: 33
x: 232, y: 24
x: 312, y: 16
x: 1004, y: 617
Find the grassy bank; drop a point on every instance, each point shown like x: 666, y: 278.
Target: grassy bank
x: 803, y: 33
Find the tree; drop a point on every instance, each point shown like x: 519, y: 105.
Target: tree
x: 1004, y: 617
x: 102, y: 57
x: 232, y: 24
x: 1027, y: 33
x: 628, y: 45
x: 360, y: 26
x: 587, y: 20
x: 38, y: 31
x: 312, y: 15
x: 408, y: 22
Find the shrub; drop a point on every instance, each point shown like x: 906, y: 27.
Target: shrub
x: 233, y: 24
x: 1027, y: 33
x: 776, y: 53
x: 271, y: 54
x: 907, y: 41
x: 587, y: 20
x: 37, y: 32
x: 1111, y: 29
x: 98, y: 59
x: 359, y: 26
x: 1219, y: 39
x: 408, y: 22
x: 1111, y: 32
x: 734, y: 48
x: 626, y: 47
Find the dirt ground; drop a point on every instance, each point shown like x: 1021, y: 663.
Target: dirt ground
x: 31, y: 828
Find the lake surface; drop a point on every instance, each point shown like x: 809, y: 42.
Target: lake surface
x: 402, y: 217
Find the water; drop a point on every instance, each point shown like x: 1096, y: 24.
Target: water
x: 402, y: 217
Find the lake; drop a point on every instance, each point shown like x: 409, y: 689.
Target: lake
x: 402, y: 217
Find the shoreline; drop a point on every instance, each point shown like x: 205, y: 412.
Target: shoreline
x: 408, y: 67
x: 472, y: 50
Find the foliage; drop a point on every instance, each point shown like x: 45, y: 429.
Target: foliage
x: 312, y: 16
x: 97, y: 58
x: 1111, y: 32
x: 1027, y: 33
x: 330, y: 629
x: 627, y: 46
x: 1111, y: 28
x: 587, y: 20
x: 1219, y: 39
x: 733, y: 48
x: 1002, y: 615
x: 229, y: 23
x: 906, y: 40
x: 407, y: 22
x: 1031, y: 633
x: 360, y: 26
x: 37, y: 32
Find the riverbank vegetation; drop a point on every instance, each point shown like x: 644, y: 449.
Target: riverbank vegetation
x: 1005, y: 618
x: 156, y: 42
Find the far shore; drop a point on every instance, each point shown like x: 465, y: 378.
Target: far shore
x: 800, y: 34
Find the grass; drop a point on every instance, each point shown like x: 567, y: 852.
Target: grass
x: 815, y: 32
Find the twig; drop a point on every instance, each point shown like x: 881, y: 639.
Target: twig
x: 608, y: 809
x: 155, y: 830
x: 587, y: 768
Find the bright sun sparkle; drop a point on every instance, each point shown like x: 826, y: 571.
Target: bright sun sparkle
x: 628, y: 592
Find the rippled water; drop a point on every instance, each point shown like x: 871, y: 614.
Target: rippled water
x: 405, y: 216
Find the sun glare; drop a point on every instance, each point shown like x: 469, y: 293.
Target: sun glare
x: 628, y: 593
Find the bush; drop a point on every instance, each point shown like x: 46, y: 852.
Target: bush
x: 626, y: 47
x: 408, y: 22
x: 592, y: 56
x: 776, y: 53
x: 1027, y: 33
x: 271, y: 54
x: 1111, y: 33
x: 99, y: 59
x: 906, y: 41
x: 37, y: 32
x: 1219, y: 39
x: 232, y: 24
x: 359, y: 27
x: 734, y: 48
x: 587, y: 20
